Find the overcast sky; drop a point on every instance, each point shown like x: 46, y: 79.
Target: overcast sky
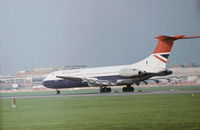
x: 53, y: 33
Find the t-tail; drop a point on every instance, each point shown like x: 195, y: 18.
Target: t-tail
x: 158, y: 59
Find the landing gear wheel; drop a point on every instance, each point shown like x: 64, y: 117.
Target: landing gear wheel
x: 105, y: 89
x: 57, y: 91
x: 124, y: 89
x: 108, y: 89
x: 128, y: 89
x: 101, y: 90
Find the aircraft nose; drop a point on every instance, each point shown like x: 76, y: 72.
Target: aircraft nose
x: 45, y: 83
x: 48, y: 83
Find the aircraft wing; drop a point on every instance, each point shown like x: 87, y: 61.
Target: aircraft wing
x: 170, y: 78
x: 92, y: 82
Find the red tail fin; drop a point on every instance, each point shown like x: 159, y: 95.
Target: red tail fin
x: 157, y: 61
x: 165, y: 43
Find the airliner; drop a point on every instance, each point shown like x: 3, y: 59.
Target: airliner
x: 151, y: 68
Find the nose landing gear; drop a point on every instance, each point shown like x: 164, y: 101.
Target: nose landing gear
x: 57, y: 91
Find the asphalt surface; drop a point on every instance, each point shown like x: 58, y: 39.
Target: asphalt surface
x: 105, y: 94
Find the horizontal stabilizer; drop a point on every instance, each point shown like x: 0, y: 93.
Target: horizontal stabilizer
x: 189, y: 37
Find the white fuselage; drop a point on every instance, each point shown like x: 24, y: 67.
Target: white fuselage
x: 110, y: 73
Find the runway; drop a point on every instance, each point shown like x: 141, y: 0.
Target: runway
x: 104, y: 94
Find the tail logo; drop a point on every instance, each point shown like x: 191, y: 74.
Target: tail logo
x: 162, y: 56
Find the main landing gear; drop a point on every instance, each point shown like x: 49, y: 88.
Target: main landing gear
x: 57, y: 91
x: 128, y: 89
x: 105, y: 89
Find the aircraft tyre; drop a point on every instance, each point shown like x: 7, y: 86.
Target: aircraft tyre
x: 124, y: 89
x: 105, y: 89
x: 57, y: 91
x: 108, y: 89
x: 127, y: 89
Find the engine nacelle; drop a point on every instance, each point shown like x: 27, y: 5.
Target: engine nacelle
x: 128, y: 72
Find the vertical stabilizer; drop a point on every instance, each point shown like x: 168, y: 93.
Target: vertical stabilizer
x: 158, y: 59
x: 163, y: 48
